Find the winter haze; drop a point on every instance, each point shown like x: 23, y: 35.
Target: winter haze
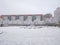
x: 28, y: 6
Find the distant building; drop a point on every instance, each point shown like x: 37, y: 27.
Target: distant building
x: 57, y: 15
x: 27, y: 20
x: 10, y: 20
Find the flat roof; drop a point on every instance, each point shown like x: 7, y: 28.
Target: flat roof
x: 24, y: 15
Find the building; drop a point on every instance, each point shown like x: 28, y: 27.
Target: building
x: 22, y: 20
x: 57, y: 15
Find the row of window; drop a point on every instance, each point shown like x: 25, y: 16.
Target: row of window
x: 25, y: 18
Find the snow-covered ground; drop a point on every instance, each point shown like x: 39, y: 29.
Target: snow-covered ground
x: 30, y: 36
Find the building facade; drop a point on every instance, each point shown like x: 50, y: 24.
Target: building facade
x: 22, y: 20
x: 57, y: 15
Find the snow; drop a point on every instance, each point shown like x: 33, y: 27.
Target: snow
x: 30, y: 35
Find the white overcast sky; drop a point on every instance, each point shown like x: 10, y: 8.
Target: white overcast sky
x: 28, y: 6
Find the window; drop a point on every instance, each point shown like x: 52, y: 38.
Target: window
x: 25, y: 17
x: 41, y: 17
x: 17, y: 17
x: 33, y: 17
x: 9, y: 17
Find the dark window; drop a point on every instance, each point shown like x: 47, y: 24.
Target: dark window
x: 33, y: 17
x: 25, y: 17
x: 9, y: 17
x: 17, y: 17
x: 41, y: 17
